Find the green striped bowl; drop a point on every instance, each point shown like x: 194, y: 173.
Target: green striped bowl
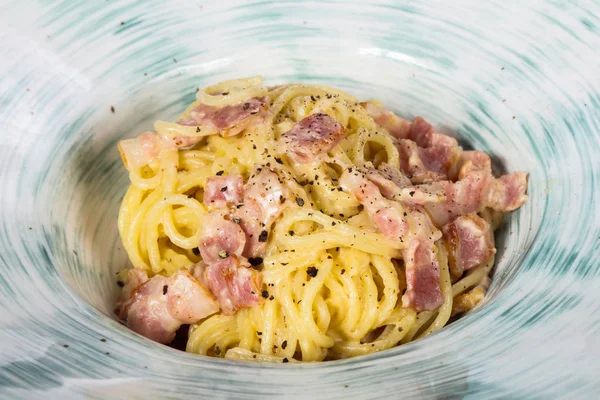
x: 517, y: 79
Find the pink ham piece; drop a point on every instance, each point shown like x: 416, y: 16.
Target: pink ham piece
x: 265, y: 197
x: 507, y: 193
x: 312, y: 136
x: 387, y: 215
x: 161, y: 305
x: 142, y: 150
x: 234, y: 283
x: 419, y: 131
x: 223, y: 191
x: 135, y: 278
x: 220, y: 238
x: 428, y: 164
x: 476, y: 190
x: 469, y: 242
x: 423, y: 291
x: 423, y: 134
x: 227, y: 120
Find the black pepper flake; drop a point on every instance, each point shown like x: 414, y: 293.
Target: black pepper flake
x: 237, y: 220
x: 196, y: 251
x: 400, y: 329
x: 343, y: 271
x: 285, y: 360
x: 165, y: 289
x: 333, y: 223
x: 405, y: 214
x: 65, y: 346
x: 197, y: 129
x: 246, y: 106
x: 263, y: 236
x: 120, y: 284
x: 103, y: 340
x: 300, y: 201
x: 412, y: 193
x: 254, y: 146
x: 254, y: 261
x: 219, y: 173
x: 224, y: 189
x: 279, y: 160
x: 313, y: 98
x: 217, y: 350
x: 265, y: 294
x: 258, y: 333
x: 281, y: 199
x: 284, y: 344
x: 271, y: 298
x: 291, y: 233
x: 312, y: 271
x: 223, y: 254
x: 112, y: 109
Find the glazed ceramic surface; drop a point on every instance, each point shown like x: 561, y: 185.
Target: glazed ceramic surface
x: 517, y: 79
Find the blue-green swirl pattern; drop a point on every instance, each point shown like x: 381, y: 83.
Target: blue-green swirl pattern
x: 517, y: 79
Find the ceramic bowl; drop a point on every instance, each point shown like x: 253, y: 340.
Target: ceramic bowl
x: 516, y: 79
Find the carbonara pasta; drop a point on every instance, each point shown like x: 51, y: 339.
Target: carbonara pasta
x: 295, y: 223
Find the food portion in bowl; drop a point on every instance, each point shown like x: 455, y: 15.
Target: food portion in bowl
x: 295, y: 223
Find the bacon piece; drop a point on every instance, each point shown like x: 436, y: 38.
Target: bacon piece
x: 469, y: 242
x: 146, y: 147
x: 135, y: 278
x: 419, y: 131
x: 428, y: 164
x: 312, y: 136
x: 507, y: 193
x: 462, y: 197
x: 396, y: 126
x: 220, y: 237
x: 476, y: 190
x: 161, y: 305
x: 423, y: 134
x: 393, y: 185
x: 387, y: 215
x: 223, y: 191
x: 422, y: 276
x: 265, y: 197
x: 234, y: 283
x: 227, y: 120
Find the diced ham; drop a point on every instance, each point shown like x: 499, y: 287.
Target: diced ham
x: 426, y: 164
x: 393, y: 185
x: 476, y: 190
x: 507, y: 193
x: 422, y: 276
x: 220, y: 237
x: 227, y: 120
x: 396, y: 126
x: 387, y: 215
x: 312, y: 136
x: 265, y: 197
x: 387, y: 178
x: 161, y: 305
x: 469, y: 242
x: 142, y: 150
x: 423, y: 134
x: 134, y: 279
x: 223, y: 191
x: 419, y: 131
x: 234, y: 283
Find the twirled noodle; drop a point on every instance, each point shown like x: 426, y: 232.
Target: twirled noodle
x: 351, y: 302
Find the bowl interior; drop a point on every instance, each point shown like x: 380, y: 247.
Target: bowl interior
x: 518, y: 80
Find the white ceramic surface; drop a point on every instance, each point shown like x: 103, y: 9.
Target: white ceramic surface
x: 517, y: 79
